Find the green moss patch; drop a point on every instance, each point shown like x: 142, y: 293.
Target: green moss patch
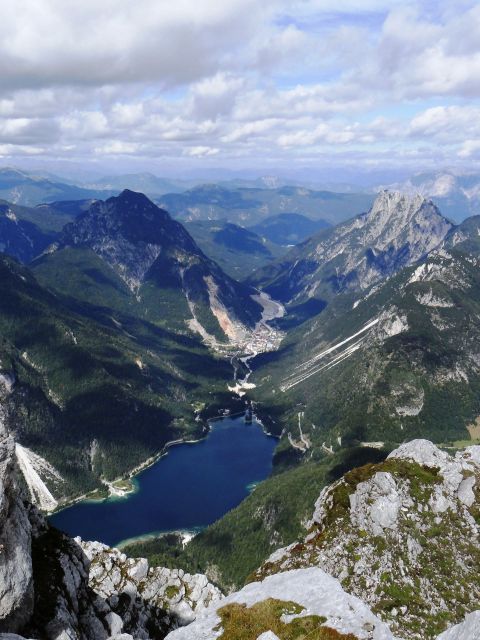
x: 240, y: 622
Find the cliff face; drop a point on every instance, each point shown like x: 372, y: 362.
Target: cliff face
x: 56, y: 588
x: 16, y: 584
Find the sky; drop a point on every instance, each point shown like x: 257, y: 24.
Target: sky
x: 338, y: 86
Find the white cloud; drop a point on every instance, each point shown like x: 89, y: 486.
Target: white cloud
x: 469, y: 148
x: 117, y: 147
x: 201, y: 151
x: 376, y: 81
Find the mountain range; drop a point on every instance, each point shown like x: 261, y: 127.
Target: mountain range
x: 23, y: 188
x: 107, y: 328
x: 249, y: 206
x: 247, y: 201
x: 389, y: 355
x: 118, y: 336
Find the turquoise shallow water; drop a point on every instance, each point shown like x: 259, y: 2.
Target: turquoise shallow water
x: 191, y: 487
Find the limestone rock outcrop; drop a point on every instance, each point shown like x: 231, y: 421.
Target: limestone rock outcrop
x: 401, y: 535
x: 313, y: 591
x: 16, y: 585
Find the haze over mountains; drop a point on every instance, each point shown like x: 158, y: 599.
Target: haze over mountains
x: 457, y: 193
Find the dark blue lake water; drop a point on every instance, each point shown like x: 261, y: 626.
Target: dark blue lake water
x: 194, y: 485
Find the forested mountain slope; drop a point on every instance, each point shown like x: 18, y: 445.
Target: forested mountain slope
x: 97, y: 391
x: 131, y: 254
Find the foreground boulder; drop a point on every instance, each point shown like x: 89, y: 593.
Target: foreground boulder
x: 305, y: 602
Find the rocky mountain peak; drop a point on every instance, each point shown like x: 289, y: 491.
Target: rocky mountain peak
x: 396, y: 219
x: 152, y: 252
x: 391, y: 200
x: 397, y: 231
x: 129, y: 232
x: 131, y: 216
x: 394, y: 206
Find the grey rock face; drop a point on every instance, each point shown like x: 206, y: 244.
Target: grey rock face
x: 397, y: 231
x: 113, y: 574
x: 375, y: 504
x: 402, y: 536
x: 16, y: 586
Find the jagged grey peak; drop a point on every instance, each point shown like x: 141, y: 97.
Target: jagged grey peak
x: 402, y: 536
x: 129, y: 232
x: 398, y: 231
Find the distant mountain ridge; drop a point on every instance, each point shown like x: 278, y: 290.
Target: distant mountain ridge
x: 287, y: 229
x: 237, y: 250
x: 23, y: 188
x: 148, y: 183
x: 456, y: 193
x: 249, y: 206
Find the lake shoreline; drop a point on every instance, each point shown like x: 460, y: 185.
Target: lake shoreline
x: 185, y: 535
x: 115, y: 495
x: 112, y: 495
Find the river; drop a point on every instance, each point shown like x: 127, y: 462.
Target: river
x: 191, y: 487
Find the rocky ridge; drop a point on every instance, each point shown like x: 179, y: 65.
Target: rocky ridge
x: 402, y: 536
x: 396, y: 232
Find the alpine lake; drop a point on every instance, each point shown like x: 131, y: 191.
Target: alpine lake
x: 185, y: 490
